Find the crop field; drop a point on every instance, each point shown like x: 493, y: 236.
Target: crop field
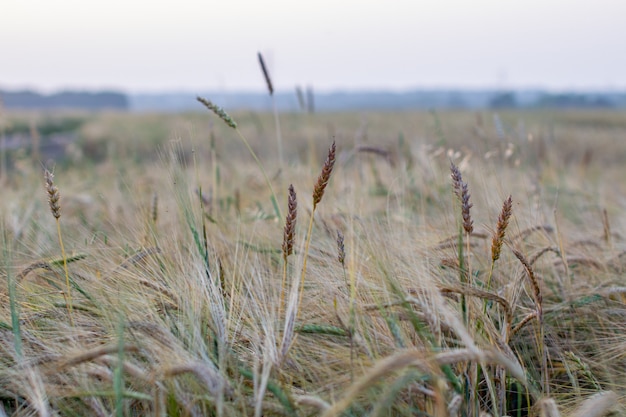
x: 334, y: 264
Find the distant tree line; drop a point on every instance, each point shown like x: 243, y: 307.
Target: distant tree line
x: 65, y: 99
x: 510, y: 100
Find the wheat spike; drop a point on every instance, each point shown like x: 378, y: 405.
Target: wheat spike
x: 266, y: 74
x: 462, y: 192
x: 218, y: 111
x: 322, y: 180
x: 341, y: 250
x: 53, y: 194
x: 290, y: 223
x: 503, y: 222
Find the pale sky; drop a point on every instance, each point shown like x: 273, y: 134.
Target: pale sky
x: 148, y: 46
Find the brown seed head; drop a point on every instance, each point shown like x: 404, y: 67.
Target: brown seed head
x: 53, y: 194
x: 341, y: 250
x: 503, y: 222
x: 290, y: 223
x: 534, y: 281
x: 266, y: 74
x: 322, y: 180
x: 218, y: 111
x: 462, y: 192
x: 155, y: 208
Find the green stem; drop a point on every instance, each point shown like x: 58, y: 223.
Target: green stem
x: 68, y: 296
x: 267, y: 180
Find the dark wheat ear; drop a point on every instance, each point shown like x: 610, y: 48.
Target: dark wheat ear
x: 534, y: 281
x: 155, y: 207
x: 462, y: 192
x: 503, y: 222
x: 53, y: 194
x: 322, y: 180
x: 341, y: 250
x: 266, y: 74
x: 290, y: 223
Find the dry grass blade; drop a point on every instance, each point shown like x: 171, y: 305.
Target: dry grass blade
x: 214, y: 382
x: 542, y: 252
x: 527, y: 232
x: 93, y: 354
x: 383, y: 367
x: 597, y: 405
x: 322, y: 180
x: 139, y: 256
x: 428, y: 365
x: 486, y: 295
x: 534, y: 281
x: 311, y: 401
x: 523, y: 322
x: 453, y: 241
x: 503, y: 222
x: 548, y: 408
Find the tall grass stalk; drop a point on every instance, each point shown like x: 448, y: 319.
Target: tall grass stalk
x: 13, y: 303
x: 288, y: 241
x: 270, y: 89
x: 230, y: 122
x: 55, y: 209
x: 318, y: 193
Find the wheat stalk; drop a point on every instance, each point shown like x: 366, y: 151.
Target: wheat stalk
x: 498, y: 236
x: 322, y: 180
x: 288, y: 236
x: 230, y: 122
x: 293, y: 310
x: 266, y: 74
x: 54, y: 197
x: 270, y: 89
x: 462, y: 192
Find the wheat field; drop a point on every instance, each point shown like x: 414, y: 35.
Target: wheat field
x: 177, y: 265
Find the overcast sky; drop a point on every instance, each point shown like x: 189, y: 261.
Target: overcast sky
x: 145, y: 46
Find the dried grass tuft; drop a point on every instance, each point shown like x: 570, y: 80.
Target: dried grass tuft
x: 597, y: 405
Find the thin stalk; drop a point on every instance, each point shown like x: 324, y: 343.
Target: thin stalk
x: 306, y: 253
x: 267, y: 180
x: 68, y: 295
x: 13, y: 304
x: 279, y: 136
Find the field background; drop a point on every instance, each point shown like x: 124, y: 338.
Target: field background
x: 173, y: 250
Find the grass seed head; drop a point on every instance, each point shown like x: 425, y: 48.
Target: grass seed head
x: 53, y: 194
x: 266, y: 74
x: 290, y: 223
x: 503, y: 222
x: 462, y: 192
x: 341, y: 250
x: 218, y: 111
x: 322, y: 180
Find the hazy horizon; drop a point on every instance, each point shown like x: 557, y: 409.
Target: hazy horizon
x: 145, y: 47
